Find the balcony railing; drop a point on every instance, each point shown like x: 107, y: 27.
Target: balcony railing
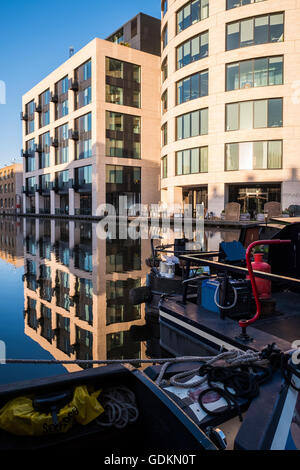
x: 85, y: 211
x: 62, y: 211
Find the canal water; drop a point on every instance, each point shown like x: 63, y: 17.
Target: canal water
x: 64, y: 294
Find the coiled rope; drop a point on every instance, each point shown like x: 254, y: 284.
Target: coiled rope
x: 120, y: 408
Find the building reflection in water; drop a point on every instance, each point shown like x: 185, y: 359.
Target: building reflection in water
x: 76, y: 291
x: 11, y: 241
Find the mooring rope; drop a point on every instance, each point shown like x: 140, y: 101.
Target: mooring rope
x: 231, y: 358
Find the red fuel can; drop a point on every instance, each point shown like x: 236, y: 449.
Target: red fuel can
x: 264, y: 286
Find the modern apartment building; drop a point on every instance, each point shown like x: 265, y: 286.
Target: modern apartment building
x: 230, y: 103
x: 91, y: 128
x: 11, y: 180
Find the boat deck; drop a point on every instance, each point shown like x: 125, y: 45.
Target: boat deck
x: 282, y: 328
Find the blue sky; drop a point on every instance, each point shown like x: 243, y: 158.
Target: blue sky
x: 35, y: 36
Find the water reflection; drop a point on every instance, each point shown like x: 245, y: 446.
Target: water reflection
x: 76, y: 289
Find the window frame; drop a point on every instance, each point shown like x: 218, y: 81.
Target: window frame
x: 253, y: 71
x: 253, y: 18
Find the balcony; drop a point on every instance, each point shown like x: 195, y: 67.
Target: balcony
x: 54, y: 142
x: 82, y: 186
x: 73, y: 135
x: 23, y: 116
x: 62, y: 211
x: 54, y: 98
x: 83, y: 211
x: 44, y: 211
x: 25, y: 154
x: 38, y: 108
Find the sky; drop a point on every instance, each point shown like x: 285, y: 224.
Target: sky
x: 35, y: 37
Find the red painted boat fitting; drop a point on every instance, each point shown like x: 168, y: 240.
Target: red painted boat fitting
x: 245, y: 323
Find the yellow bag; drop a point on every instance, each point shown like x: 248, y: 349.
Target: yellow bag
x: 19, y: 417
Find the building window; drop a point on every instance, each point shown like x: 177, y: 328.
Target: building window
x: 83, y: 75
x: 30, y: 158
x: 191, y: 13
x: 45, y: 182
x: 192, y: 50
x: 239, y: 3
x: 123, y: 135
x: 118, y: 37
x: 164, y: 70
x: 164, y: 7
x: 260, y: 155
x: 44, y: 103
x: 256, y: 30
x: 61, y: 94
x: 62, y: 179
x: 165, y: 37
x: 164, y: 102
x: 83, y: 126
x: 193, y: 87
x: 164, y: 167
x: 30, y: 110
x: 30, y: 185
x: 83, y: 175
x: 192, y: 124
x: 120, y: 181
x: 44, y: 156
x: 62, y: 149
x: 164, y: 134
x: 123, y: 83
x: 192, y: 161
x: 266, y: 71
x: 254, y: 114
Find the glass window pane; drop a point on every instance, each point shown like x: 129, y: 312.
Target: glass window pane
x: 195, y: 49
x: 260, y: 114
x: 195, y: 83
x: 195, y: 124
x: 232, y: 117
x: 260, y: 155
x: 246, y: 74
x: 186, y: 126
x: 246, y: 156
x: 261, y: 30
x: 179, y: 128
x: 195, y: 160
x: 275, y: 112
x: 204, y: 9
x: 179, y: 163
x: 275, y: 70
x: 246, y: 115
x: 186, y: 90
x: 204, y: 122
x: 204, y: 160
x: 232, y: 81
x: 276, y: 28
x: 204, y: 84
x: 275, y: 154
x: 204, y: 45
x: 195, y: 11
x: 186, y: 162
x: 187, y: 53
x: 179, y: 92
x: 247, y: 32
x: 232, y: 157
x: 261, y: 72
